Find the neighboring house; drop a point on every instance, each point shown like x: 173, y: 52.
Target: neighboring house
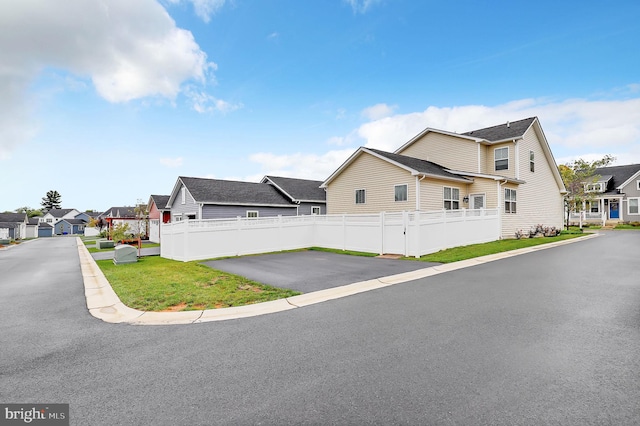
x: 159, y: 213
x: 508, y: 167
x: 615, y: 193
x: 70, y: 227
x: 304, y: 193
x: 32, y: 227
x: 128, y: 215
x: 200, y: 198
x: 14, y: 225
x: 54, y: 215
x: 45, y: 230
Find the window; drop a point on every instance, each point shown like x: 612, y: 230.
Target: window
x: 401, y: 192
x: 532, y: 162
x: 252, y: 213
x: 594, y: 187
x: 191, y: 216
x: 501, y: 156
x: 638, y: 184
x: 594, y: 206
x: 315, y: 210
x: 183, y: 192
x: 49, y: 220
x: 360, y: 196
x: 451, y: 198
x: 177, y: 218
x: 509, y: 200
x: 633, y: 206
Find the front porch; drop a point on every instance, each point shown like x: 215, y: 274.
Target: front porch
x: 603, y: 211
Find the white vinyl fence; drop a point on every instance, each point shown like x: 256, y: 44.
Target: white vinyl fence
x: 406, y: 233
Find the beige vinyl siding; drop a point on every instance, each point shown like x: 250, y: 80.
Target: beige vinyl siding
x: 378, y: 178
x: 432, y: 193
x: 448, y: 151
x: 538, y: 200
x: 490, y: 160
x: 486, y: 187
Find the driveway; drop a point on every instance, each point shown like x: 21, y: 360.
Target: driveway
x: 550, y: 337
x: 308, y: 271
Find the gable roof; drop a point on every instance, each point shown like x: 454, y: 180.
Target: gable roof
x: 415, y: 166
x: 58, y: 213
x: 160, y: 201
x: 72, y: 221
x: 618, y: 176
x: 118, y: 212
x: 501, y: 132
x: 298, y: 190
x: 230, y: 192
x: 13, y: 217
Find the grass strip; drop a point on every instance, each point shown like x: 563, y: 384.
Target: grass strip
x: 157, y: 284
x: 476, y: 250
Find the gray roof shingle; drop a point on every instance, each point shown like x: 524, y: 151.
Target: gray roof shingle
x: 300, y: 189
x: 217, y: 191
x: 504, y: 131
x: 618, y: 174
x: 161, y: 201
x: 12, y: 217
x: 57, y: 213
x: 421, y: 166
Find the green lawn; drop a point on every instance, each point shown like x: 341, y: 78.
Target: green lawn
x: 93, y: 249
x: 476, y: 250
x: 157, y: 284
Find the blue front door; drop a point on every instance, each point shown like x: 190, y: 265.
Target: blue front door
x: 614, y: 212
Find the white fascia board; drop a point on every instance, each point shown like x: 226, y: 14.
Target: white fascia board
x: 215, y: 203
x: 443, y: 132
x: 267, y: 180
x: 631, y: 179
x: 175, y: 191
x: 548, y: 154
x: 485, y: 176
x: 453, y: 179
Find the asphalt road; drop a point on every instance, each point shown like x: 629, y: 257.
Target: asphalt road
x: 551, y: 337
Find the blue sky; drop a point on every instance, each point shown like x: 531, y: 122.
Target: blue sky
x: 108, y: 102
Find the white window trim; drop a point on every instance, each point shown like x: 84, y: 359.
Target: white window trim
x: 314, y: 208
x: 253, y: 211
x: 177, y: 217
x: 364, y: 193
x: 629, y: 206
x: 406, y: 200
x: 479, y: 194
x: 514, y: 202
x: 183, y: 194
x: 532, y: 161
x: 594, y: 187
x: 495, y: 168
x: 452, y: 200
x: 638, y: 185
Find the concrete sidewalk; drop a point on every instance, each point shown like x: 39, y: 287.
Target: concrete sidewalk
x: 103, y: 303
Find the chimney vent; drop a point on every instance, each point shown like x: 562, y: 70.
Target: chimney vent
x: 508, y: 125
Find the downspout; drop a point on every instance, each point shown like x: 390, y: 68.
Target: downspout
x: 418, y: 191
x: 500, y: 204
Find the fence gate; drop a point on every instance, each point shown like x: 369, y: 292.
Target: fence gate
x: 394, y: 230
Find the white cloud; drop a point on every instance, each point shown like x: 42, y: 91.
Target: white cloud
x: 575, y: 128
x: 203, y: 8
x: 206, y: 103
x: 172, y: 162
x: 378, y: 111
x: 299, y: 165
x: 129, y: 50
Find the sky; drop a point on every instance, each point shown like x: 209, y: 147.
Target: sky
x: 109, y: 101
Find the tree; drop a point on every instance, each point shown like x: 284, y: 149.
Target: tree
x: 575, y: 175
x: 119, y: 232
x: 29, y: 211
x: 51, y: 201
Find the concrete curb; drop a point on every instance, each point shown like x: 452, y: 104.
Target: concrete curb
x: 103, y: 303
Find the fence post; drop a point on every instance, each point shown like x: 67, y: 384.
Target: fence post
x: 381, y: 233
x: 185, y: 257
x: 416, y: 225
x: 405, y: 225
x: 344, y: 231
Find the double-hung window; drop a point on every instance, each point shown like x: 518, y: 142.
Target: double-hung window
x: 451, y: 198
x: 252, y: 214
x: 633, y: 206
x: 360, y: 196
x: 532, y: 162
x: 509, y: 200
x: 315, y: 210
x: 401, y: 192
x: 501, y: 157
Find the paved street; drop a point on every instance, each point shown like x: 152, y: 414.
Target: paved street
x: 551, y: 337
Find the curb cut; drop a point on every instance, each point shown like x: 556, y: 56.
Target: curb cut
x: 103, y: 303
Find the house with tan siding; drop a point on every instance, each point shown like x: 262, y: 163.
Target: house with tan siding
x: 508, y: 167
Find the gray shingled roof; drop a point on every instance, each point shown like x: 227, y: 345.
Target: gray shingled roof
x: 619, y: 175
x: 126, y: 211
x: 161, y: 201
x: 216, y: 191
x: 59, y: 212
x: 421, y: 166
x: 73, y: 221
x: 300, y: 189
x: 500, y: 132
x: 12, y: 217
